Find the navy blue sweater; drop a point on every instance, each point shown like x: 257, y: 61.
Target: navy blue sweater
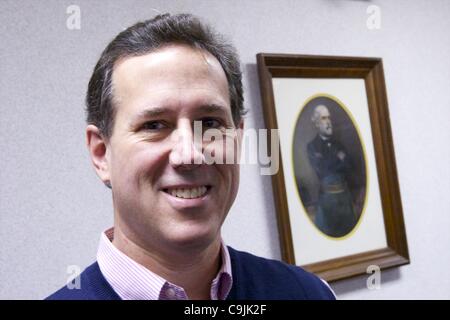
x: 254, y: 278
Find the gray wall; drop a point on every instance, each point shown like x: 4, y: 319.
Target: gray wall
x: 52, y: 206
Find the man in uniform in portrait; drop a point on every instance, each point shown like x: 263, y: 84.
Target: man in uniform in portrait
x: 335, y: 214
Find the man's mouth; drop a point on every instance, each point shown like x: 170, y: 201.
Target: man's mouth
x: 188, y: 193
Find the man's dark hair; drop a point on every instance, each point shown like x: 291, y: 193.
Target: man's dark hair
x: 148, y: 36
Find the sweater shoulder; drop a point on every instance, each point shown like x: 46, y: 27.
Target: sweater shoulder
x: 92, y: 286
x: 273, y: 279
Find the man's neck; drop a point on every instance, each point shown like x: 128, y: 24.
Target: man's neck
x: 191, y: 269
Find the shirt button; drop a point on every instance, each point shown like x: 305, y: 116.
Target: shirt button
x: 170, y: 292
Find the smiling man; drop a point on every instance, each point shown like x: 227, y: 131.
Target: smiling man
x: 153, y: 84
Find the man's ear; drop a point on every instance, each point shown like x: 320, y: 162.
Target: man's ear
x: 98, y: 151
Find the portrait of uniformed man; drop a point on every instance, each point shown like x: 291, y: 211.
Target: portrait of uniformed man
x: 331, y: 172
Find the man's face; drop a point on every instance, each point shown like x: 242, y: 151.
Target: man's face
x: 158, y: 96
x: 323, y: 122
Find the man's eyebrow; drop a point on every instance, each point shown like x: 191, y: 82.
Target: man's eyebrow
x: 151, y: 113
x: 161, y: 111
x: 212, y: 108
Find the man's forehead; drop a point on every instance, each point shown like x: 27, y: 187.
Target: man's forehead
x: 322, y: 110
x: 177, y: 56
x: 173, y: 80
x: 171, y: 67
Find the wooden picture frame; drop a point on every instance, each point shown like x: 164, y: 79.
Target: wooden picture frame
x: 289, y: 84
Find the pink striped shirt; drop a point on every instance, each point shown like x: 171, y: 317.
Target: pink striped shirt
x: 132, y: 281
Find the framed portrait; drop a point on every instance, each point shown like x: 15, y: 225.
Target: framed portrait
x: 336, y: 191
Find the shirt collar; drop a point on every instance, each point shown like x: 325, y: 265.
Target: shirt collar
x: 132, y: 281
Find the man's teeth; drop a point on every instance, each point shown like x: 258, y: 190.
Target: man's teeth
x: 188, y: 193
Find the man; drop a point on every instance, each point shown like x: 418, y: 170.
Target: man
x: 151, y: 84
x: 334, y: 212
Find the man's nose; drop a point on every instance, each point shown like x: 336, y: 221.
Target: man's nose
x: 187, y: 149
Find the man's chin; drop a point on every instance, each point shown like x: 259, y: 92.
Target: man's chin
x: 190, y: 241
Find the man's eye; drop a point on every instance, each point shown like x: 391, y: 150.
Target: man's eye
x: 211, y: 123
x: 153, y: 125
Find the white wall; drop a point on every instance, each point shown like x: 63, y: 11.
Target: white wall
x: 53, y: 208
